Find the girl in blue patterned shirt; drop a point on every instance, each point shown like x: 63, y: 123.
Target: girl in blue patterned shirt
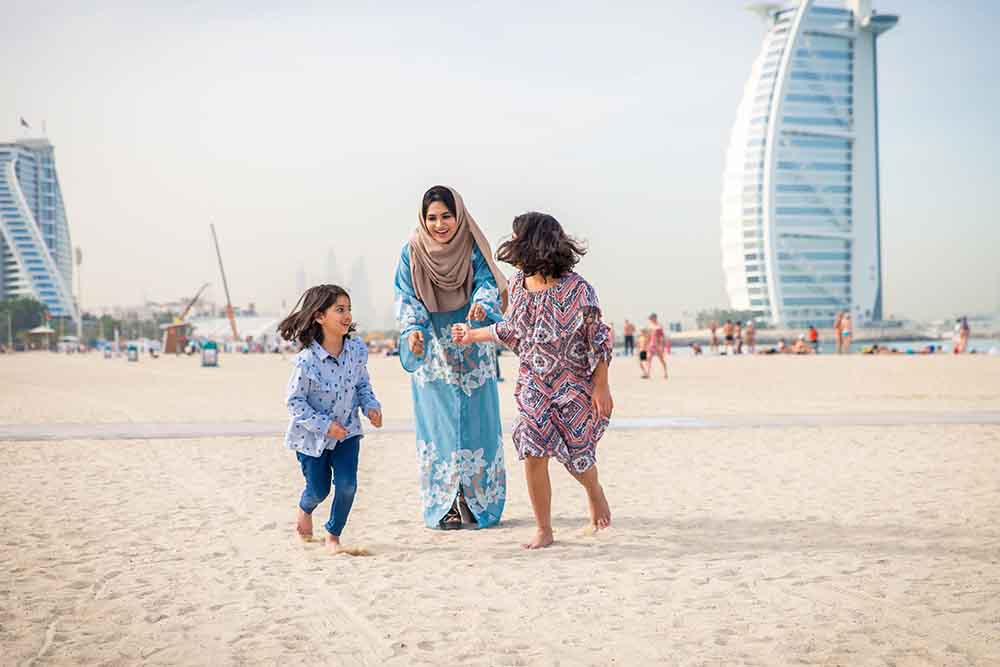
x: 329, y: 384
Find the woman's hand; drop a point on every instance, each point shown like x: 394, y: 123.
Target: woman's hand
x: 336, y: 431
x: 460, y: 334
x: 602, y: 402
x: 416, y: 343
x: 477, y: 313
x: 375, y: 417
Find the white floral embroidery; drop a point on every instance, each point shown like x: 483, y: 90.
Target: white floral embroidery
x: 485, y: 485
x: 409, y: 315
x: 488, y: 296
x: 467, y: 367
x: 489, y: 489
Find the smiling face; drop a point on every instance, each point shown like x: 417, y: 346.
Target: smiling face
x: 336, y: 320
x: 440, y: 222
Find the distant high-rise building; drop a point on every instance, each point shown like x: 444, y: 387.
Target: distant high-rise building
x: 332, y: 274
x: 361, y: 302
x: 300, y: 281
x: 801, y: 235
x: 36, y: 256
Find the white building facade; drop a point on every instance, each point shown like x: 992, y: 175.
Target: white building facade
x: 801, y: 237
x: 36, y: 254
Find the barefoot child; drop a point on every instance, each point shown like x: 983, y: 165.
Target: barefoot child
x: 329, y: 383
x: 554, y: 325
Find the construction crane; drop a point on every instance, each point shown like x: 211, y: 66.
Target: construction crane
x: 187, y: 309
x: 225, y: 286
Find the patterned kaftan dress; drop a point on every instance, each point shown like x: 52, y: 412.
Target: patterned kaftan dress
x: 455, y: 400
x: 560, y: 339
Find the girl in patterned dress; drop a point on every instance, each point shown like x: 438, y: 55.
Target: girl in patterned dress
x: 554, y: 325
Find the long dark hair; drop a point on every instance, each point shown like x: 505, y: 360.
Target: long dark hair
x: 541, y: 246
x: 301, y: 324
x: 437, y: 193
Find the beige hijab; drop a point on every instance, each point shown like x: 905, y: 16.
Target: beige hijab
x: 442, y: 272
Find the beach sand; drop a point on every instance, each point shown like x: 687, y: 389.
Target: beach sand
x: 851, y: 545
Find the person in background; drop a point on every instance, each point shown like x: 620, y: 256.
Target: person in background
x: 696, y: 349
x: 643, y: 355
x: 751, y: 337
x: 963, y: 336
x: 738, y: 339
x: 800, y: 346
x: 727, y: 332
x: 656, y: 345
x: 629, y: 331
x: 713, y: 344
x: 838, y: 333
x: 814, y: 338
x: 846, y: 333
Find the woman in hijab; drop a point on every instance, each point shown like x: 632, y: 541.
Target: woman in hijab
x: 446, y: 275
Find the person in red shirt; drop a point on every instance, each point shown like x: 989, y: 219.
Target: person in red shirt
x: 814, y: 338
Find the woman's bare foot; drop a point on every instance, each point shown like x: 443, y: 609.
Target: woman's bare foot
x: 600, y: 511
x: 332, y: 544
x: 543, y: 538
x: 304, y: 525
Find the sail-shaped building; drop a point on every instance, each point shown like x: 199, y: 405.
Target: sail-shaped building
x: 801, y: 238
x: 36, y: 254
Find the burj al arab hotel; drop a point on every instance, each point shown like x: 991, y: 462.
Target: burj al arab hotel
x: 801, y: 237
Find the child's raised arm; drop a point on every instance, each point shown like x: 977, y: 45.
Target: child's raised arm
x: 464, y: 335
x: 365, y: 395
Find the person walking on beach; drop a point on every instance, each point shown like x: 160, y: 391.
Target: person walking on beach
x: 713, y: 344
x: 846, y: 333
x: 445, y: 275
x: 563, y: 398
x: 629, y: 331
x: 656, y: 345
x: 329, y: 384
x: 643, y: 355
x: 738, y: 338
x: 838, y: 333
x: 751, y: 337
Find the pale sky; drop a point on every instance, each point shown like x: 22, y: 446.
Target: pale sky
x: 305, y: 129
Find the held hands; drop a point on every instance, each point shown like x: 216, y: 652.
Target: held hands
x: 336, y: 431
x: 477, y: 313
x: 460, y: 333
x: 375, y: 417
x: 602, y: 402
x: 416, y: 342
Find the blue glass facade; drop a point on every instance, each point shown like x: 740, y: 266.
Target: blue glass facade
x: 800, y: 199
x: 36, y: 257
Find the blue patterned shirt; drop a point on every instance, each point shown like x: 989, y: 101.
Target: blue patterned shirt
x: 324, y: 389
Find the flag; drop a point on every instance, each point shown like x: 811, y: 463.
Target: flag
x: 24, y: 123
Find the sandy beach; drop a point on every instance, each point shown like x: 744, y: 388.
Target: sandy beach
x: 824, y: 544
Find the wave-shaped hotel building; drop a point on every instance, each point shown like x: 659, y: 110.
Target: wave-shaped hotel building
x: 801, y: 235
x: 36, y: 256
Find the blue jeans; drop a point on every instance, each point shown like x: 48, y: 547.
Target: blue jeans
x: 339, y: 465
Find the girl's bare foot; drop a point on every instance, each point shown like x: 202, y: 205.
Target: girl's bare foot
x: 332, y: 544
x: 543, y: 538
x: 600, y: 511
x: 304, y: 525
